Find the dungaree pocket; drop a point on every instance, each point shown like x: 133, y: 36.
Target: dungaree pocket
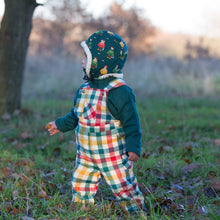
x: 127, y: 163
x: 89, y: 111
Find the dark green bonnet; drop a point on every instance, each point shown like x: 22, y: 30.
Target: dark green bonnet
x: 106, y: 54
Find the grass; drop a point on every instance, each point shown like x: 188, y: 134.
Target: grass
x: 57, y: 76
x: 178, y: 172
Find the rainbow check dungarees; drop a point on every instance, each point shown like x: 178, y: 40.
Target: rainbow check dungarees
x: 101, y: 151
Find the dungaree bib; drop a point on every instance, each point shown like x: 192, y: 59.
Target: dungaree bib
x: 101, y: 151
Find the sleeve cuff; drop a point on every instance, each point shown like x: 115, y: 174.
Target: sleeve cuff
x: 136, y: 150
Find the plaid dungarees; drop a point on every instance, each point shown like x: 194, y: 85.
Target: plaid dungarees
x: 101, y: 151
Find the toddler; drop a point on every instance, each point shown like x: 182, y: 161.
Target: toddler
x: 106, y: 124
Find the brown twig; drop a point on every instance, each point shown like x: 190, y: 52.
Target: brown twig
x: 142, y: 212
x: 215, y: 192
x: 31, y: 180
x: 27, y: 210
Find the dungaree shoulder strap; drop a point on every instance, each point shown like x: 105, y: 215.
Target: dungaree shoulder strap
x: 114, y: 84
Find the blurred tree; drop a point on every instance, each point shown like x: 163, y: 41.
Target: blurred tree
x: 196, y: 51
x: 71, y: 24
x: 14, y: 34
x: 130, y: 23
x: 62, y: 33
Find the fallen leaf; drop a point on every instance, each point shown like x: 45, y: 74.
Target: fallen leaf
x: 160, y: 121
x: 16, y: 112
x: 188, y: 147
x: 15, y: 194
x: 8, y: 206
x: 201, y: 211
x: 20, y: 145
x: 56, y: 151
x: 25, y: 162
x: 215, y: 184
x: 217, y: 142
x: 47, y: 198
x: 48, y: 126
x: 177, y: 207
x: 178, y: 189
x: 41, y: 147
x: 197, y: 179
x: 24, y: 180
x: 15, y: 211
x: 26, y: 112
x: 210, y: 192
x: 187, y: 160
x: 168, y: 205
x: 27, y: 169
x: 1, y: 187
x: 6, y: 117
x: 5, y: 171
x: 217, y: 203
x: 12, y: 140
x: 42, y: 194
x: 191, y: 167
x: 166, y: 149
x: 60, y: 206
x: 145, y: 155
x: 27, y: 218
x: 26, y: 136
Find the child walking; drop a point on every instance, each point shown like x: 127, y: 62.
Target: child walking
x: 106, y: 124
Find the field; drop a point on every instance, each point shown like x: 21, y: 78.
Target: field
x: 177, y: 87
x: 148, y: 76
x: 178, y: 171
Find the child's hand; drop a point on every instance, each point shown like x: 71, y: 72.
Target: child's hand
x: 52, y: 128
x: 132, y: 156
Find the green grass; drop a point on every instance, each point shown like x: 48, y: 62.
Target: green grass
x: 177, y: 172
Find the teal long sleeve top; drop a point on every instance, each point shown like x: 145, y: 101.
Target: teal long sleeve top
x: 122, y: 105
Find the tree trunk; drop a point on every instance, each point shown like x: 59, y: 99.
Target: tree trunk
x: 14, y: 34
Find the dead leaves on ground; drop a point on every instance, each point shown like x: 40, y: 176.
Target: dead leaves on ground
x: 217, y: 142
x: 5, y: 171
x: 26, y: 136
x: 22, y: 183
x: 175, y: 204
x: 23, y: 112
x: 189, y: 168
x: 180, y: 193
